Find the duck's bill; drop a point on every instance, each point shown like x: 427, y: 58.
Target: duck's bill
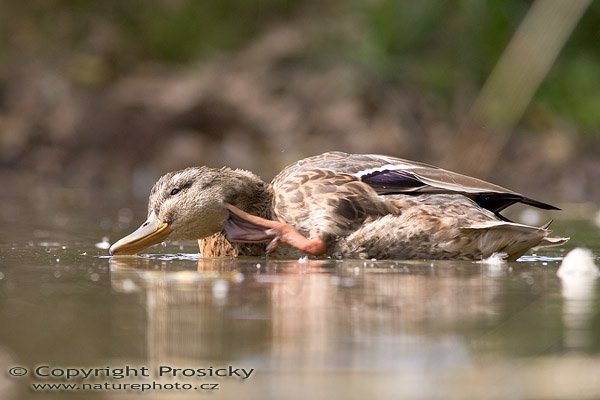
x: 152, y: 232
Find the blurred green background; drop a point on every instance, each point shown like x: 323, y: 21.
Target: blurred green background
x: 111, y: 94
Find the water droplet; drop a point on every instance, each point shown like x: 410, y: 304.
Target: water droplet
x: 129, y: 286
x: 238, y: 278
x: 220, y: 288
x: 104, y: 244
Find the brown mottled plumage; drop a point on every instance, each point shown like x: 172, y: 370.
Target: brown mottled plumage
x: 340, y: 205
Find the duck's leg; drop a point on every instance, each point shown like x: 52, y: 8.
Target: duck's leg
x: 244, y: 227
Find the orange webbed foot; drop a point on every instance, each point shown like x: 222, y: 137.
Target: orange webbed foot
x: 244, y: 227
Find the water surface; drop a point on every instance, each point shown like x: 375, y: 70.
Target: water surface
x: 307, y: 329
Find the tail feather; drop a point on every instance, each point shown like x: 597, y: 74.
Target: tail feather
x: 552, y: 241
x: 511, y: 238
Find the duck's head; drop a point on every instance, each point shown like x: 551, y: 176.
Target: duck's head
x: 188, y: 204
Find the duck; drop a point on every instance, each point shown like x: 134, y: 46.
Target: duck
x: 338, y: 205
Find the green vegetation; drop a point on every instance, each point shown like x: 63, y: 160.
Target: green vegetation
x: 449, y: 47
x: 164, y: 30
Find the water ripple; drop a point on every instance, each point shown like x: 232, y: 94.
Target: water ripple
x: 538, y: 258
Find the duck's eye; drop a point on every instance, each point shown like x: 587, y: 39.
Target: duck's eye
x: 175, y: 191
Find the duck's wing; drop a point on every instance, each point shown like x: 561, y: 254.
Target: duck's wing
x: 390, y: 175
x: 421, y: 180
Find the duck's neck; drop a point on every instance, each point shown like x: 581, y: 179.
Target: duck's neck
x: 218, y: 245
x: 248, y: 192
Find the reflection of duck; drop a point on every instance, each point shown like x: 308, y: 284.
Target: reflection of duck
x: 337, y: 204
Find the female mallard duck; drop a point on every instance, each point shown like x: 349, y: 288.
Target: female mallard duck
x: 340, y: 205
